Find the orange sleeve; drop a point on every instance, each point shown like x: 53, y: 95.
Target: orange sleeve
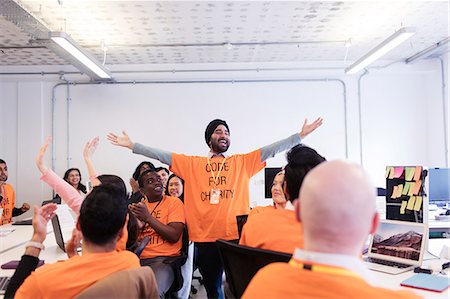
x: 29, y: 289
x: 176, y: 213
x: 181, y: 164
x: 252, y: 162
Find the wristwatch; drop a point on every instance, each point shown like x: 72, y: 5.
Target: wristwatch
x: 35, y: 245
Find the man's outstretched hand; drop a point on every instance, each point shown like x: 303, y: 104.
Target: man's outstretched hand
x: 308, y: 128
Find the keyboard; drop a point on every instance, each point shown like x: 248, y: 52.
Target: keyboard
x: 4, y: 281
x: 387, y: 263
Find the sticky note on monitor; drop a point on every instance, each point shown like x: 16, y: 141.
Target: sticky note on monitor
x: 411, y: 202
x: 398, y: 171
x: 418, y: 203
x: 409, y: 173
x: 417, y: 173
x: 403, y: 207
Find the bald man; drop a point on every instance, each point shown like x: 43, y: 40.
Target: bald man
x: 337, y: 208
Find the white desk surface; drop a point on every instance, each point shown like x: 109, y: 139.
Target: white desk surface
x: 53, y: 253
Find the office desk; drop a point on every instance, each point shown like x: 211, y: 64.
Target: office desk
x: 393, y: 281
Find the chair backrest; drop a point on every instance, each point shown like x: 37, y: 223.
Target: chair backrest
x: 241, y: 220
x: 141, y: 246
x: 242, y: 262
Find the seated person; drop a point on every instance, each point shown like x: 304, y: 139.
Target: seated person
x: 73, y: 177
x: 336, y: 222
x: 8, y: 197
x: 136, y: 195
x: 100, y: 224
x: 279, y: 200
x: 163, y: 220
x: 284, y: 232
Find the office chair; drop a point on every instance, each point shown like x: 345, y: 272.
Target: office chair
x: 241, y: 220
x: 242, y: 262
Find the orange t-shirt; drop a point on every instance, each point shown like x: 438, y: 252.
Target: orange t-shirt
x: 8, y: 203
x: 169, y: 209
x: 68, y: 278
x: 260, y: 209
x: 281, y: 280
x: 208, y: 222
x: 273, y: 229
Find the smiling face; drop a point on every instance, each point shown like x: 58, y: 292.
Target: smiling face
x: 152, y: 186
x: 220, y: 140
x: 74, y: 178
x: 277, y: 189
x: 175, y: 187
x: 164, y: 177
x: 3, y: 172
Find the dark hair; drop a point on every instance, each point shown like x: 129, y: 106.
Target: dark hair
x: 80, y: 186
x: 2, y: 161
x: 211, y: 127
x: 141, y: 177
x: 133, y: 230
x: 158, y: 169
x: 301, y: 159
x: 173, y: 175
x: 137, y: 172
x: 103, y: 214
x: 115, y: 181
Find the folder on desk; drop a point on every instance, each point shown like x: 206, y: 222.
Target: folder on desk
x: 427, y: 282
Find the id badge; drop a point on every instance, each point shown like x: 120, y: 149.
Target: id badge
x: 214, y: 198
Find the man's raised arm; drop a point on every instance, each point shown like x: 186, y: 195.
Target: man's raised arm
x: 271, y: 150
x: 137, y: 148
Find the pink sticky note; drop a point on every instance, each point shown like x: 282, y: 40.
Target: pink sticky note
x: 417, y: 173
x: 398, y: 172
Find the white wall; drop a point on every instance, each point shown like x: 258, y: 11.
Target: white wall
x: 400, y: 107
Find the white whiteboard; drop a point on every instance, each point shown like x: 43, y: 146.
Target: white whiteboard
x: 174, y: 117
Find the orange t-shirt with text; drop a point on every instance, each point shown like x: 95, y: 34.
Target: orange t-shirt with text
x: 281, y: 280
x: 273, y: 229
x: 208, y: 222
x: 169, y: 209
x: 68, y: 278
x: 8, y: 203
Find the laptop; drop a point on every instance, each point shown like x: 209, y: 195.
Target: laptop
x: 58, y: 233
x: 63, y: 223
x: 397, y: 247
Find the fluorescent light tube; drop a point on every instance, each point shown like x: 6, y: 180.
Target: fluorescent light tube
x: 88, y: 61
x: 387, y: 45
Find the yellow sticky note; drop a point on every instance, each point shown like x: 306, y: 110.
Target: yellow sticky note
x: 417, y: 173
x: 416, y: 188
x: 399, y: 190
x: 411, y: 201
x: 388, y: 171
x: 409, y: 173
x: 411, y: 189
x: 406, y: 188
x: 394, y: 192
x: 418, y: 203
x: 391, y: 173
x: 402, y: 208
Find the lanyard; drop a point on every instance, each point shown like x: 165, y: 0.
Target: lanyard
x: 146, y: 224
x: 323, y: 269
x: 215, y: 178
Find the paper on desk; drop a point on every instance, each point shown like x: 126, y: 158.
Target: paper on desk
x: 5, y: 231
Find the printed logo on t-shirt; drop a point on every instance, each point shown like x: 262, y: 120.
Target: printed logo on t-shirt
x: 214, y: 168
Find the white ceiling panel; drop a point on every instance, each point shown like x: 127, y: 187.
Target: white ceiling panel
x: 158, y: 32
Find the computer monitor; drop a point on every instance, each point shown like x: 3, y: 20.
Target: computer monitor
x: 439, y: 186
x: 269, y: 175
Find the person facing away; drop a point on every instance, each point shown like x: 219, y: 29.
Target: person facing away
x: 163, y: 221
x: 101, y: 223
x: 337, y: 208
x: 8, y: 197
x: 285, y: 232
x: 216, y: 190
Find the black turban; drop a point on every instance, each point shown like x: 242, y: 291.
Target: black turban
x: 212, y: 126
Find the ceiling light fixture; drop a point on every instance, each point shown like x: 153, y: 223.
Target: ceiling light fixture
x: 387, y: 45
x: 428, y: 51
x: 79, y: 57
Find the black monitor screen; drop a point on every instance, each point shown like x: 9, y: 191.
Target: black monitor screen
x: 269, y: 175
x: 439, y: 185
